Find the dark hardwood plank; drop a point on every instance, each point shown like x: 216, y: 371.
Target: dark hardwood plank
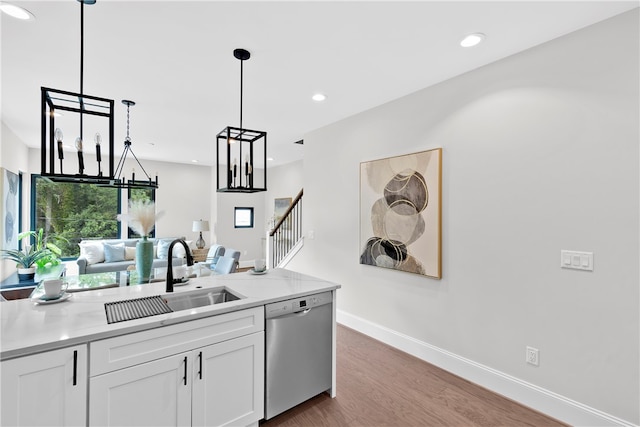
x: 381, y: 386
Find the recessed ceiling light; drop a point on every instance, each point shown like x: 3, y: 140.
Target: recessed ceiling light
x: 472, y: 39
x: 319, y: 97
x: 270, y: 159
x: 194, y: 161
x: 16, y: 12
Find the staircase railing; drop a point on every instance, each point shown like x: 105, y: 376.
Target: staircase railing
x: 287, y: 232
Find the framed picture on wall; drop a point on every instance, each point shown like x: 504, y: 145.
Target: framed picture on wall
x: 10, y: 209
x: 401, y: 213
x: 280, y: 207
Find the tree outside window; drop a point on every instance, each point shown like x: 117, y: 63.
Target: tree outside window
x: 74, y: 211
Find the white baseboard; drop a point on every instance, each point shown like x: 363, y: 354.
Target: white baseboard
x: 537, y: 398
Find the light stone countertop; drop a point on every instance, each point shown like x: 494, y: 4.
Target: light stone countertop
x: 29, y: 328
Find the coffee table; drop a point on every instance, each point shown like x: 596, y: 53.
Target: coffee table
x: 95, y: 281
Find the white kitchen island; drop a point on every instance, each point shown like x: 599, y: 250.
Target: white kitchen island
x: 63, y: 364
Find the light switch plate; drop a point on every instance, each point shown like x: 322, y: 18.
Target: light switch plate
x: 575, y: 260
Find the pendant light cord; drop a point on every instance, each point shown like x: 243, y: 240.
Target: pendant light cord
x: 81, y: 65
x: 127, y: 139
x: 241, y: 84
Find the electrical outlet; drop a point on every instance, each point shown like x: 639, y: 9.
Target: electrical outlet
x: 533, y: 356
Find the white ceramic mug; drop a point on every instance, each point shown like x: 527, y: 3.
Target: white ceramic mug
x: 52, y: 288
x: 179, y: 271
x: 259, y: 265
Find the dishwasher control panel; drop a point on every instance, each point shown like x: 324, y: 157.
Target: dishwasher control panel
x: 282, y: 308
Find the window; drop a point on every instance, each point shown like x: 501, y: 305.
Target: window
x: 75, y: 212
x: 141, y: 194
x: 243, y: 218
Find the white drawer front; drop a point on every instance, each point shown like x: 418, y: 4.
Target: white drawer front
x: 127, y: 350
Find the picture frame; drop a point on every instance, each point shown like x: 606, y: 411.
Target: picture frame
x: 401, y: 213
x: 280, y: 207
x: 10, y: 213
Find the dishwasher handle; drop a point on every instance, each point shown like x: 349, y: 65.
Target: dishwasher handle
x: 299, y: 313
x: 298, y: 306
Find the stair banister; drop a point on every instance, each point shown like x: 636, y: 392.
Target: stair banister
x: 286, y: 234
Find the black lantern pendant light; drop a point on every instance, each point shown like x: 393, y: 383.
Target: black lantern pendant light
x: 241, y: 154
x: 52, y: 102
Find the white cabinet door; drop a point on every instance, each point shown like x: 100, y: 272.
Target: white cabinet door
x: 228, y: 382
x: 46, y: 389
x: 156, y: 393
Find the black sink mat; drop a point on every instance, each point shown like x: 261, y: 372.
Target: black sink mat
x: 121, y: 311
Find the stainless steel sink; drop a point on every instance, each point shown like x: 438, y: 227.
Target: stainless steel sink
x: 202, y: 298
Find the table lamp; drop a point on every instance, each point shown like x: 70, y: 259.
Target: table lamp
x: 200, y: 226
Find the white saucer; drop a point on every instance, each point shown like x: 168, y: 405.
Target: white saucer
x: 252, y: 271
x: 40, y: 300
x: 182, y: 283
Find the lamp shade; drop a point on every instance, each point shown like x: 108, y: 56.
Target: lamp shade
x: 200, y: 225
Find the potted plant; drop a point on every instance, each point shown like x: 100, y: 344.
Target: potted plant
x: 43, y: 256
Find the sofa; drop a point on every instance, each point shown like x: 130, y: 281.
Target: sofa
x: 99, y: 256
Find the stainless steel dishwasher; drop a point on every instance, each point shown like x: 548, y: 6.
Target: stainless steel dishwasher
x: 298, y: 351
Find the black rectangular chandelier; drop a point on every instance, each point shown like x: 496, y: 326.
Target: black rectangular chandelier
x: 244, y: 166
x: 58, y: 104
x: 59, y: 110
x: 241, y: 154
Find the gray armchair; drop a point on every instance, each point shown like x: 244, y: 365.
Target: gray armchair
x: 225, y: 265
x: 215, y: 252
x: 232, y: 253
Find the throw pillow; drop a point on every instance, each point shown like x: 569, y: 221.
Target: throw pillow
x: 92, y: 250
x: 163, y: 248
x: 113, y: 252
x: 129, y: 253
x: 178, y: 250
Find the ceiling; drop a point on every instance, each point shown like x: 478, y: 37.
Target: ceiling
x: 175, y: 60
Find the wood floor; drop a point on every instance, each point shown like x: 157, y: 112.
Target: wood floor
x: 380, y: 386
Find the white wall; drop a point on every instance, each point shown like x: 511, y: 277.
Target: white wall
x: 14, y: 157
x: 183, y: 195
x: 249, y: 241
x: 540, y: 153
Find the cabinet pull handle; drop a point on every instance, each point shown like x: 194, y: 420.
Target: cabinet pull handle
x: 185, y: 370
x: 75, y: 367
x: 200, y: 371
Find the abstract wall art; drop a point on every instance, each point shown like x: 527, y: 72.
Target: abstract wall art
x: 280, y: 207
x: 10, y: 209
x: 401, y: 213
